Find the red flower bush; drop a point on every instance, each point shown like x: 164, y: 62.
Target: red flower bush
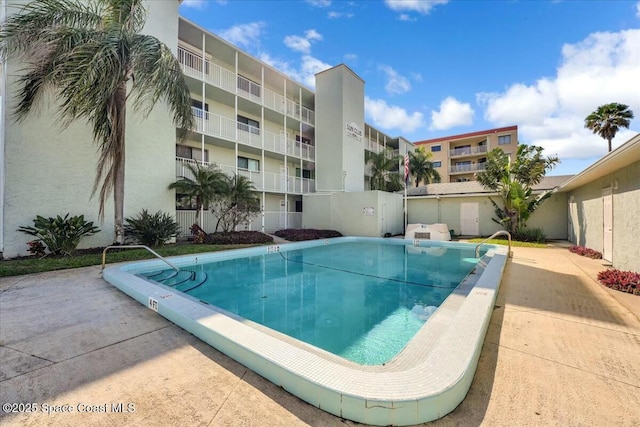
x: 589, y: 253
x: 625, y: 281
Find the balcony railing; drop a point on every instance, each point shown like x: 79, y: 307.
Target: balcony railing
x: 232, y: 130
x: 467, y: 168
x: 262, y: 181
x: 467, y: 151
x: 194, y: 66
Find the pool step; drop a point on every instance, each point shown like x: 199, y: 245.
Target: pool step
x: 199, y: 278
x: 159, y: 276
x: 181, y: 277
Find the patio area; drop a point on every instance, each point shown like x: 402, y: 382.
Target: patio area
x: 560, y: 350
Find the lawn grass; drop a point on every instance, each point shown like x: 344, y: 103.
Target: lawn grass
x: 505, y: 243
x: 28, y: 265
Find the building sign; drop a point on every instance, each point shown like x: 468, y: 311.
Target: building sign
x: 354, y: 131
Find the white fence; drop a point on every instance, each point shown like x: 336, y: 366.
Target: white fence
x: 267, y: 222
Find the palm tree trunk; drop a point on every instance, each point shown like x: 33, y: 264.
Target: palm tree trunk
x: 609, y: 141
x: 119, y: 127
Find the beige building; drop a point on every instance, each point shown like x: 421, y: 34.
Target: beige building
x: 251, y: 120
x: 458, y: 157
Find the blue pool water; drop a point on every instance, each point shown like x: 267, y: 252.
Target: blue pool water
x: 362, y: 301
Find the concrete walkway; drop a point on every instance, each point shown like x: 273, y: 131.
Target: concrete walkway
x: 561, y: 350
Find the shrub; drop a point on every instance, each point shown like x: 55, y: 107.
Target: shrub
x: 237, y: 238
x: 530, y: 235
x: 60, y: 235
x: 37, y: 248
x: 583, y: 251
x: 198, y: 234
x: 300, y: 234
x: 625, y: 281
x: 152, y: 230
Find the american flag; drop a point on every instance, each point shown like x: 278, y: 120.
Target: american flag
x: 406, y: 166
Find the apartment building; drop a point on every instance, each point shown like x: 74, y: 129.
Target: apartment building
x: 458, y: 157
x: 251, y: 120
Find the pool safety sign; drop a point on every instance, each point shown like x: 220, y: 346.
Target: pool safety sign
x: 354, y: 131
x: 369, y: 211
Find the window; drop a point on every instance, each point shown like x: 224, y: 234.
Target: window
x: 248, y: 86
x: 197, y: 109
x: 437, y: 164
x: 298, y: 205
x: 504, y: 139
x: 248, y: 125
x: 252, y: 165
x: 306, y: 173
x: 303, y: 140
x: 435, y: 148
x: 187, y: 152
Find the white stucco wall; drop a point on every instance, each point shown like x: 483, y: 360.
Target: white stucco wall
x: 586, y: 215
x: 50, y: 171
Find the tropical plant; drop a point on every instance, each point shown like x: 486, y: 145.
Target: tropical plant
x: 421, y: 167
x: 513, y: 181
x: 61, y: 235
x: 624, y: 281
x: 608, y: 119
x: 236, y: 203
x: 382, y: 165
x: 152, y: 230
x: 206, y: 182
x: 90, y: 55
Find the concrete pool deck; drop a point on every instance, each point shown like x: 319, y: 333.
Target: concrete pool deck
x: 560, y: 350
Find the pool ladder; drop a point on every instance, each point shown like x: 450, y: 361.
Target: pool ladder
x: 104, y: 254
x: 497, y: 233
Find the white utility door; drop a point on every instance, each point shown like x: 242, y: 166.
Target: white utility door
x: 283, y: 214
x: 469, y: 225
x: 607, y: 222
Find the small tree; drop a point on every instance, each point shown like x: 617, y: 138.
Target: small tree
x: 421, y: 167
x: 207, y: 181
x: 236, y: 203
x: 513, y: 181
x: 608, y: 119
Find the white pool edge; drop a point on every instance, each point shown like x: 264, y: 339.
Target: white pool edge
x: 423, y: 384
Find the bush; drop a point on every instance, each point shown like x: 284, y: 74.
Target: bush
x: 237, y: 238
x: 583, y: 251
x: 151, y: 230
x: 300, y: 234
x: 530, y: 235
x: 625, y: 281
x: 60, y: 235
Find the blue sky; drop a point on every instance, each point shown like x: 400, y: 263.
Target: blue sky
x: 443, y: 67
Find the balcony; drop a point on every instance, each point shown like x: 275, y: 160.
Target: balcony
x: 475, y: 167
x: 262, y: 181
x: 194, y: 66
x: 232, y: 130
x: 374, y: 146
x: 468, y: 151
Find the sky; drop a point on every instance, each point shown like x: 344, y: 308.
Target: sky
x: 435, y: 68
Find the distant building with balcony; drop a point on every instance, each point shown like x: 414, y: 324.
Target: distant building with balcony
x: 250, y: 119
x: 459, y: 157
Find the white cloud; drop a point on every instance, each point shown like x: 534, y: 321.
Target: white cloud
x: 420, y: 6
x: 196, y: 4
x: 244, y: 34
x: 396, y: 84
x: 350, y: 57
x: 417, y: 77
x: 319, y: 3
x: 405, y: 17
x: 452, y: 113
x: 336, y: 15
x: 305, y: 74
x: 392, y: 117
x: 602, y: 68
x: 302, y: 44
x: 638, y: 9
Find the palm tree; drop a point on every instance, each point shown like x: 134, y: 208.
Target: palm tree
x: 421, y: 167
x: 91, y: 56
x: 608, y: 119
x: 235, y: 203
x: 381, y: 164
x: 207, y: 181
x: 513, y: 181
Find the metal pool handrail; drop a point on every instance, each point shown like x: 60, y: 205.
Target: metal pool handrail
x: 497, y: 233
x: 104, y: 254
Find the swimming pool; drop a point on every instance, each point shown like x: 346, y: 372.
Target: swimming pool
x: 427, y: 379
